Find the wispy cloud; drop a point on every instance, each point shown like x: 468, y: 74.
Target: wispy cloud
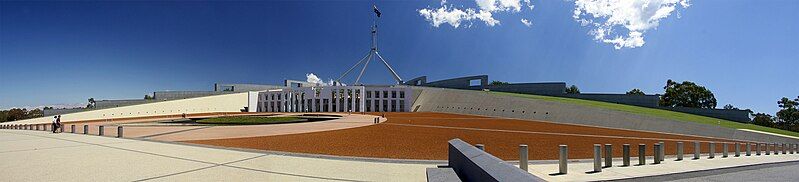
x: 623, y: 22
x: 527, y: 22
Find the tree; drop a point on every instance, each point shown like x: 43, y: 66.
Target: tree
x: 91, y: 103
x: 788, y: 116
x: 17, y: 114
x: 572, y: 90
x: 763, y: 119
x: 497, y: 82
x: 687, y: 94
x: 635, y: 91
x: 730, y: 107
x: 147, y: 97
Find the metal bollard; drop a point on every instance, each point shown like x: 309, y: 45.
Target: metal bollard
x: 641, y: 154
x: 85, y: 129
x: 793, y: 148
x: 73, y: 129
x: 768, y: 149
x: 776, y: 149
x: 783, y: 149
x: 625, y: 149
x: 481, y: 147
x: 724, y: 150
x: 100, y: 130
x: 608, y: 155
x: 712, y: 146
x: 737, y: 149
x: 522, y: 156
x: 679, y: 151
x: 564, y: 155
x: 662, y: 151
x: 697, y: 150
x: 37, y: 127
x: 119, y: 135
x: 597, y: 158
x: 656, y: 149
x: 757, y: 149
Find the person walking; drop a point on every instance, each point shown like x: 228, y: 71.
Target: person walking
x: 55, y: 120
x: 58, y: 123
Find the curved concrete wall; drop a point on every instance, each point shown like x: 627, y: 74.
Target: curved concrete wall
x: 487, y: 104
x: 218, y: 103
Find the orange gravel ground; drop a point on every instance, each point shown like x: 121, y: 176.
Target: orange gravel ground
x: 425, y: 136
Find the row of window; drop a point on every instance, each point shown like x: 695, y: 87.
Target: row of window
x: 480, y: 109
x: 329, y: 105
x: 385, y: 94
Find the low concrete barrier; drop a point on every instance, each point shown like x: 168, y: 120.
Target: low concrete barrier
x: 472, y: 164
x: 441, y: 175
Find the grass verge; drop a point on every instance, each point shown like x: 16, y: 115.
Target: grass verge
x: 678, y: 116
x: 249, y: 120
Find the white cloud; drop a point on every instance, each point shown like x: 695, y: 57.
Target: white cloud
x: 312, y: 78
x: 527, y: 22
x: 636, y: 16
x: 456, y: 16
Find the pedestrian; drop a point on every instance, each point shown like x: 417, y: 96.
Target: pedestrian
x: 55, y: 121
x: 58, y: 123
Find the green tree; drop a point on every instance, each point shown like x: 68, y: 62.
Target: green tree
x: 17, y: 114
x: 572, y: 90
x: 635, y: 91
x: 147, y: 97
x: 788, y: 116
x: 3, y: 116
x: 497, y: 82
x: 763, y: 119
x: 91, y: 103
x: 730, y: 107
x: 687, y: 94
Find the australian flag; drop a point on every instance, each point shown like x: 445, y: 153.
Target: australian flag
x: 376, y: 11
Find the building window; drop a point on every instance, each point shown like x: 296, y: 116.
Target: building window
x: 385, y: 105
x: 393, y: 105
x: 393, y: 94
x: 377, y: 94
x: 368, y: 104
x: 402, y: 94
x: 357, y: 105
x: 385, y: 94
x: 368, y: 95
x: 402, y: 105
x: 377, y: 105
x: 325, y: 101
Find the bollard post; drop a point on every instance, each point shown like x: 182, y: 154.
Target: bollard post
x: 697, y: 150
x: 793, y: 148
x: 724, y: 150
x: 783, y: 149
x: 757, y: 149
x: 679, y: 151
x: 776, y: 149
x: 737, y: 149
x: 100, y: 130
x: 73, y: 129
x: 119, y: 135
x: 481, y: 147
x: 662, y: 151
x: 37, y: 127
x: 768, y: 150
x: 608, y: 155
x: 656, y: 150
x: 597, y: 158
x: 641, y: 154
x: 712, y: 146
x: 522, y: 156
x: 625, y: 149
x: 564, y: 155
x: 85, y: 129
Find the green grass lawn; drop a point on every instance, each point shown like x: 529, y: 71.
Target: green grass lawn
x: 249, y: 120
x: 654, y: 112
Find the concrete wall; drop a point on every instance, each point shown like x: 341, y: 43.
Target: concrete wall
x: 728, y: 114
x: 636, y: 100
x: 487, y: 104
x: 218, y: 103
x: 53, y: 112
x: 472, y: 164
x: 103, y: 104
x: 175, y: 95
x: 554, y: 88
x: 237, y: 87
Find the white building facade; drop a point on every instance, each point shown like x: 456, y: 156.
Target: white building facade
x: 336, y: 99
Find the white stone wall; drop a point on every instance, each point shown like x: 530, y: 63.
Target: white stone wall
x: 336, y: 99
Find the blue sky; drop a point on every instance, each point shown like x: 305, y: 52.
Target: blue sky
x: 745, y: 51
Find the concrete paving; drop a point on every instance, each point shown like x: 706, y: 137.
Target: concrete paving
x: 580, y: 170
x: 44, y: 156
